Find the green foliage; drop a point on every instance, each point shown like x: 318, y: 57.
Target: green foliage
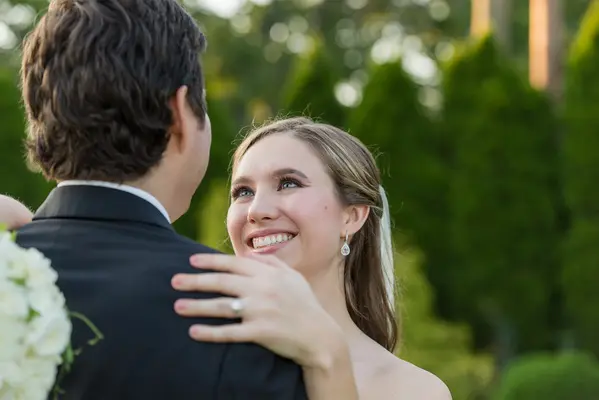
x: 17, y: 180
x: 223, y: 135
x: 414, y: 165
x: 212, y: 221
x: 504, y: 200
x: 570, y: 376
x: 581, y: 176
x: 440, y: 347
x: 311, y: 89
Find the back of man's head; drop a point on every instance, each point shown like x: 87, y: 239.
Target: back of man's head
x: 97, y: 77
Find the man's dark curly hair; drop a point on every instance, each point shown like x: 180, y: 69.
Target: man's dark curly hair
x: 97, y: 76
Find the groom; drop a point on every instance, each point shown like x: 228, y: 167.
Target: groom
x: 114, y: 98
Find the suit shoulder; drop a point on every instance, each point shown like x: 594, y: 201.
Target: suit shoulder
x: 194, y: 246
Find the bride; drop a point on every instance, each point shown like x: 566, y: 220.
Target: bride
x: 314, y: 283
x: 313, y: 276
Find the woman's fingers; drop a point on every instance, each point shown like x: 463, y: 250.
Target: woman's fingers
x: 223, y: 333
x: 228, y: 284
x: 227, y: 263
x: 223, y: 307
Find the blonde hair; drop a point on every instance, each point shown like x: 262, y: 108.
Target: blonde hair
x: 368, y: 275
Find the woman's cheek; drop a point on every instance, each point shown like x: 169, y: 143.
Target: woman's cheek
x: 235, y: 222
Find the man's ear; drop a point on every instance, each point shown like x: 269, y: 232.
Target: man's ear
x: 179, y: 130
x: 354, y: 219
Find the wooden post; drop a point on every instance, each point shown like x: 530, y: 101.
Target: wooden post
x: 480, y: 17
x: 546, y: 46
x: 492, y: 15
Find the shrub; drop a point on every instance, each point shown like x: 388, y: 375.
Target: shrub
x: 570, y: 376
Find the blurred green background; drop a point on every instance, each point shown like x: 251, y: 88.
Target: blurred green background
x: 493, y: 183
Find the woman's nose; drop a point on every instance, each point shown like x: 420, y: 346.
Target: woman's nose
x: 263, y: 208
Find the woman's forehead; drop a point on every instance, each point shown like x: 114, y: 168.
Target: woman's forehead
x: 278, y: 152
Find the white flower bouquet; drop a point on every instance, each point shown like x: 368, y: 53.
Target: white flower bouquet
x: 35, y: 325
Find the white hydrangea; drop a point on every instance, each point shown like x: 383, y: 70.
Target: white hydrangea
x: 35, y: 328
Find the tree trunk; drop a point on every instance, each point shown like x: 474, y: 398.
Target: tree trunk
x: 492, y: 15
x: 546, y: 46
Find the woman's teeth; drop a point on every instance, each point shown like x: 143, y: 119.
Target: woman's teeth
x: 269, y: 240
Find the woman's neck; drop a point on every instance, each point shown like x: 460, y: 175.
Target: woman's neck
x: 329, y: 289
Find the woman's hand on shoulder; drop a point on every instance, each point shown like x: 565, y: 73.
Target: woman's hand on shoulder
x: 275, y: 304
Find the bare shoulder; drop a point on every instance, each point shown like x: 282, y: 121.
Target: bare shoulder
x: 399, y: 379
x: 416, y: 383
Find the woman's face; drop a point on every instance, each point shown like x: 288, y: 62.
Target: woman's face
x: 284, y: 203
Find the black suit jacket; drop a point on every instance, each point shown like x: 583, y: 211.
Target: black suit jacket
x: 115, y: 254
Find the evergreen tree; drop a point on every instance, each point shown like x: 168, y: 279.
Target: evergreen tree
x: 17, y: 180
x: 311, y: 89
x: 504, y: 202
x: 390, y: 119
x: 581, y: 177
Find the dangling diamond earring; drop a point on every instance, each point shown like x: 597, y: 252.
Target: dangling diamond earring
x: 345, y: 250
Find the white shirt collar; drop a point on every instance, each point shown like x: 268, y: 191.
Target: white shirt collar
x: 125, y: 188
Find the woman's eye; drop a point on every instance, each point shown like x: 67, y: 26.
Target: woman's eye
x: 241, y: 192
x: 289, y: 183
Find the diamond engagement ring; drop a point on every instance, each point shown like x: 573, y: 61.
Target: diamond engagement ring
x: 237, y: 307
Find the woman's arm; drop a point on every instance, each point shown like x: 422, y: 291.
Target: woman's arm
x: 13, y: 214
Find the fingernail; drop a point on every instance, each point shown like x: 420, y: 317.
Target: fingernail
x: 177, y: 281
x: 195, y: 259
x: 195, y: 330
x: 180, y: 305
